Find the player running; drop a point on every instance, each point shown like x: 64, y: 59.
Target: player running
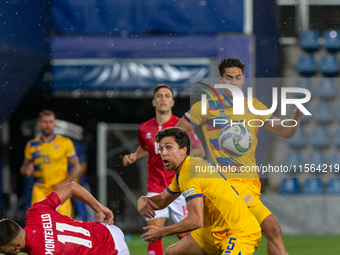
x: 49, y: 232
x: 232, y: 72
x: 158, y: 178
x: 220, y: 220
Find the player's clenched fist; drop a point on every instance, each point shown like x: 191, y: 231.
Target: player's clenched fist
x: 129, y: 159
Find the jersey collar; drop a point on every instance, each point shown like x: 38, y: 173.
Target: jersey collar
x: 51, y: 140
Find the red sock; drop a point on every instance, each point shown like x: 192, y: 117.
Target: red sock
x: 155, y: 248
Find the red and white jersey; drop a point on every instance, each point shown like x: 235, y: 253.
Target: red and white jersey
x: 158, y: 178
x: 49, y: 232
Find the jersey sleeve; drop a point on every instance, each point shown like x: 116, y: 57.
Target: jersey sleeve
x: 173, y: 187
x: 259, y: 106
x: 195, y: 141
x: 194, y: 115
x: 28, y: 154
x: 192, y: 188
x: 141, y: 141
x: 52, y: 201
x: 70, y: 150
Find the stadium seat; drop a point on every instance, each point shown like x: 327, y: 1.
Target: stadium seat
x: 299, y: 140
x: 320, y: 137
x: 329, y: 65
x: 332, y: 39
x: 324, y: 113
x: 333, y: 187
x: 309, y: 40
x: 316, y: 159
x: 336, y: 138
x: 289, y: 186
x: 293, y: 158
x: 338, y: 112
x: 305, y: 83
x: 307, y: 65
x: 326, y: 89
x: 306, y: 119
x: 335, y: 159
x: 313, y: 186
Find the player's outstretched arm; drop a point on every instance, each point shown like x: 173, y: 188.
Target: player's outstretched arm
x: 194, y: 220
x: 140, y: 153
x: 183, y: 123
x: 289, y: 130
x: 78, y: 192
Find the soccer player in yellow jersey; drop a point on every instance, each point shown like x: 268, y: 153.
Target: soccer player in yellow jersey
x: 47, y: 157
x: 232, y: 72
x: 219, y: 220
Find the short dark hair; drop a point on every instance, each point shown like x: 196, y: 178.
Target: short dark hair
x: 180, y: 136
x: 229, y: 63
x: 160, y: 86
x: 46, y: 113
x: 9, y: 230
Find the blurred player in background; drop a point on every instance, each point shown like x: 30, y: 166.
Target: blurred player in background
x: 218, y: 218
x: 232, y: 72
x: 158, y: 177
x: 49, y: 232
x: 47, y: 157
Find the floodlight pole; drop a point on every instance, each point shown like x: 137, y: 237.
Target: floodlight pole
x: 248, y: 17
x: 102, y: 162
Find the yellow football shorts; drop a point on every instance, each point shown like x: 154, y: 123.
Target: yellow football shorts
x: 216, y: 243
x: 39, y: 193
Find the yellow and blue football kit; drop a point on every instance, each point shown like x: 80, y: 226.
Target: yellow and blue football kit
x: 229, y: 226
x: 50, y: 161
x: 212, y: 124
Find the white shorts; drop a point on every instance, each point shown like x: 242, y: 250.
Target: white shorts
x: 119, y: 239
x: 177, y: 210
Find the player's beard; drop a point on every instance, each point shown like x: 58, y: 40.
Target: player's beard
x: 47, y: 132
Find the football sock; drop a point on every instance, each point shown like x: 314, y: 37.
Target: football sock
x: 155, y: 248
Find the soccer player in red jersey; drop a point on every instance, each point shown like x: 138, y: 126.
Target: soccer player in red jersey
x: 158, y: 177
x: 49, y: 232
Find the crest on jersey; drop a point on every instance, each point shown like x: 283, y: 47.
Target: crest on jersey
x: 56, y: 146
x: 248, y: 198
x: 148, y: 135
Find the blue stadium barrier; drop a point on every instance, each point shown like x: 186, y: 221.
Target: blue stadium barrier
x: 332, y: 39
x: 326, y: 89
x: 324, y: 113
x: 309, y: 40
x: 307, y: 65
x: 316, y: 159
x: 320, y: 137
x: 305, y: 83
x: 329, y: 65
x: 336, y: 138
x: 313, y: 186
x: 293, y: 158
x: 333, y: 187
x: 299, y: 140
x: 289, y: 186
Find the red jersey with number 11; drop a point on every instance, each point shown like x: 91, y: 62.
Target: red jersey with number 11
x: 49, y: 232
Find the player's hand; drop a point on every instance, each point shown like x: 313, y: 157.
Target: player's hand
x: 29, y: 169
x: 297, y: 114
x: 129, y: 159
x: 153, y: 234
x: 146, y: 207
x: 105, y: 215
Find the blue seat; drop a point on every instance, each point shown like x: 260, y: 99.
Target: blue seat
x: 307, y: 65
x: 289, y: 186
x: 324, y: 113
x: 293, y: 159
x: 306, y: 119
x: 326, y: 89
x: 299, y: 140
x: 309, y: 40
x: 332, y: 39
x: 305, y: 83
x: 329, y: 65
x: 317, y: 159
x: 338, y: 112
x: 313, y: 186
x: 320, y: 137
x: 333, y: 187
x: 336, y: 138
x: 335, y: 160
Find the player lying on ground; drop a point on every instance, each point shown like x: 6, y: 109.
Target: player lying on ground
x: 49, y: 232
x: 219, y: 220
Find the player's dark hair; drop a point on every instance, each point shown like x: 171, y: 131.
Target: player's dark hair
x: 9, y: 230
x: 46, y: 113
x: 160, y: 86
x: 229, y: 63
x: 180, y: 136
